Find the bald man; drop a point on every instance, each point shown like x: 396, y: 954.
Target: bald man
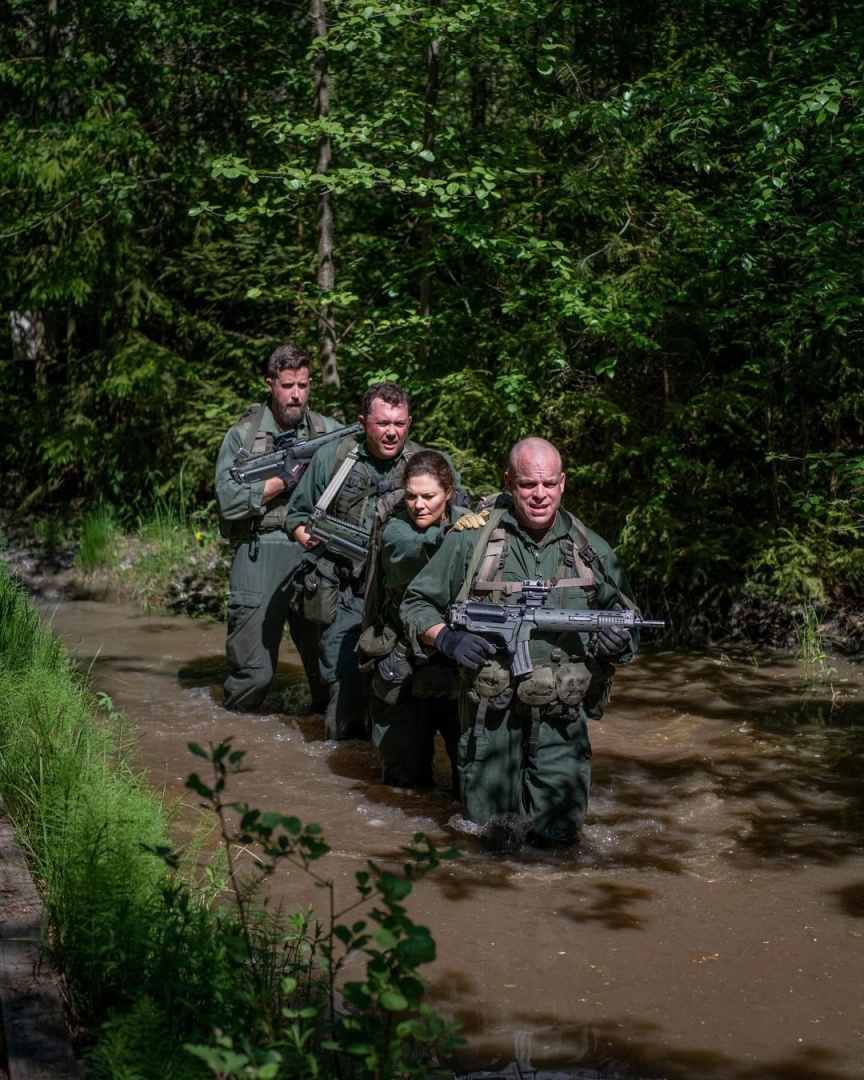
x: 524, y: 753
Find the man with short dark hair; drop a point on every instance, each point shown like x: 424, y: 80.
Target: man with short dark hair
x: 349, y: 483
x: 266, y: 559
x: 524, y: 754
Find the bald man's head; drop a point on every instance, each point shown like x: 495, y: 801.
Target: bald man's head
x: 535, y: 479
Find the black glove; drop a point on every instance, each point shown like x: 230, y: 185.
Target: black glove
x: 612, y: 641
x: 292, y: 470
x: 469, y: 650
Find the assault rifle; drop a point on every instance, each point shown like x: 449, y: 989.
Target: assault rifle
x: 251, y: 467
x: 514, y: 624
x: 339, y: 537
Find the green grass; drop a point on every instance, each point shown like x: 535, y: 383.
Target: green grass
x: 99, y: 538
x: 170, y: 974
x: 164, y: 543
x: 811, y: 648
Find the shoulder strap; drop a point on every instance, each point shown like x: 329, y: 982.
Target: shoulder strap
x: 252, y: 433
x: 316, y: 422
x: 480, y: 552
x: 592, y: 560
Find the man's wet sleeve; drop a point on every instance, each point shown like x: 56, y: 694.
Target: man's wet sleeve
x: 312, y: 484
x: 235, y: 501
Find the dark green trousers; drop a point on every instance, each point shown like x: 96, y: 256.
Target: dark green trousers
x: 501, y: 772
x: 258, y: 610
x: 404, y: 737
x: 345, y: 715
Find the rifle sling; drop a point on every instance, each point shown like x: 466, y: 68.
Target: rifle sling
x: 339, y: 477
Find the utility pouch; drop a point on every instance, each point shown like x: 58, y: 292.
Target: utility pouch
x: 571, y: 682
x: 377, y: 640
x: 235, y: 530
x: 321, y: 592
x: 392, y: 676
x: 538, y: 688
x: 492, y: 682
x: 599, y: 692
x: 435, y: 681
x: 295, y: 592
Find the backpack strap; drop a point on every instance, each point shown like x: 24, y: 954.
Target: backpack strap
x: 592, y: 560
x: 480, y: 550
x: 253, y: 415
x: 317, y: 422
x: 376, y: 596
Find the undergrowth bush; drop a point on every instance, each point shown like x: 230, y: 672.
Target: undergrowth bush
x: 152, y: 550
x: 170, y: 974
x: 98, y: 539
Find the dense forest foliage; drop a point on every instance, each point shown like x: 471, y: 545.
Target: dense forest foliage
x: 633, y: 228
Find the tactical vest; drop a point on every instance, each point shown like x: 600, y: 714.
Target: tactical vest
x: 256, y: 441
x: 483, y: 578
x: 353, y: 497
x: 562, y: 682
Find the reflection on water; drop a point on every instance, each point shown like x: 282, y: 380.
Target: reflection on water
x: 710, y: 926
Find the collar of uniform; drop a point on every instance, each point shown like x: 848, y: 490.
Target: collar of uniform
x: 560, y: 529
x: 380, y: 465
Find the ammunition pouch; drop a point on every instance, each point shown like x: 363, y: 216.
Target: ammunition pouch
x: 491, y: 683
x: 555, y: 688
x: 377, y: 640
x: 571, y: 682
x: 538, y: 688
x: 321, y: 585
x: 392, y: 676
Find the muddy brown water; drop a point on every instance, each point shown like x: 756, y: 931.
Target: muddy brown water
x: 710, y: 927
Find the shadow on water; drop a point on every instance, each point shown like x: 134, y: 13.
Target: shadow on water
x: 768, y: 772
x: 603, y: 1052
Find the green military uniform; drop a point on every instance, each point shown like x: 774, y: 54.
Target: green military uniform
x: 357, y: 501
x: 264, y: 566
x: 517, y: 755
x: 406, y: 717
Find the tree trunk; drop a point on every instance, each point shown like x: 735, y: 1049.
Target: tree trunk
x: 31, y: 343
x: 426, y: 234
x: 326, y: 274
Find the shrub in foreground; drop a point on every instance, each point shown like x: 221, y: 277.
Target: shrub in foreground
x: 168, y: 974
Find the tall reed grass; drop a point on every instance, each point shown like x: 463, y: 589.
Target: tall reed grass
x: 98, y: 539
x: 121, y: 929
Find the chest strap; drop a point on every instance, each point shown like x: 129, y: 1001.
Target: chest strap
x: 508, y: 588
x: 490, y: 555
